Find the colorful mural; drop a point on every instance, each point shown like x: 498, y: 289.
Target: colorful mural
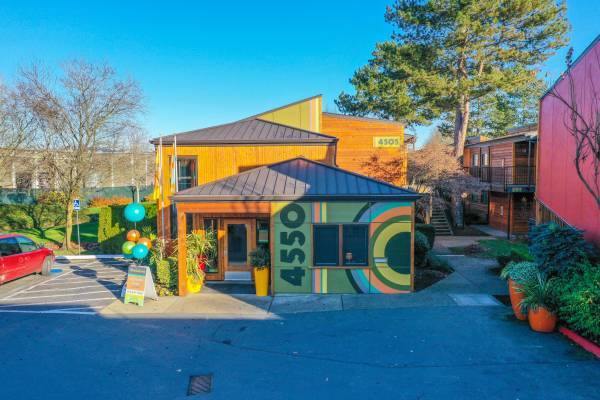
x: 390, y: 247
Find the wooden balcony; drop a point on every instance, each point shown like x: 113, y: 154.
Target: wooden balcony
x: 513, y: 179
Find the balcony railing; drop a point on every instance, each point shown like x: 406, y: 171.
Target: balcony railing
x: 506, y: 177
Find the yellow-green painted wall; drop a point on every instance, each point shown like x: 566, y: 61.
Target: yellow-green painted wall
x: 302, y: 115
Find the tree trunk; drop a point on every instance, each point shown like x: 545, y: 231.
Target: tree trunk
x: 68, y: 224
x: 461, y: 123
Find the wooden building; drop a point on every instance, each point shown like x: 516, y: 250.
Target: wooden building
x: 360, y: 138
x: 246, y: 179
x: 506, y: 165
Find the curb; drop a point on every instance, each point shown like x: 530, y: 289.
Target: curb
x: 581, y: 341
x: 89, y: 257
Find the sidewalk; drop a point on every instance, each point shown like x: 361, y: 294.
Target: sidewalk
x: 472, y: 284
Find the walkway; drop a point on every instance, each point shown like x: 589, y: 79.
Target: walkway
x: 472, y: 284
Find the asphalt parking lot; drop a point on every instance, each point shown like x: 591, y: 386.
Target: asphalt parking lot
x: 75, y: 287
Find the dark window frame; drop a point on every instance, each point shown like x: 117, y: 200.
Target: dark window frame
x: 194, y: 177
x: 341, y: 261
x: 366, y: 246
x: 314, y: 229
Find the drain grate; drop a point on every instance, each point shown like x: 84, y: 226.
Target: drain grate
x: 200, y: 384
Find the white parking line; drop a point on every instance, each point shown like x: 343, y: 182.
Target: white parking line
x: 49, y: 312
x: 74, y: 288
x: 73, y: 282
x: 36, y: 285
x: 93, y: 277
x: 63, y: 295
x: 55, y: 302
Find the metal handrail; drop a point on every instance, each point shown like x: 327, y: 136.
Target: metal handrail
x: 521, y: 175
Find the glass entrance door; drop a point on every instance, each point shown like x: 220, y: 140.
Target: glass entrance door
x: 239, y: 236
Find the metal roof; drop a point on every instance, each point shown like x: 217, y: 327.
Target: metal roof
x: 248, y: 131
x: 295, y: 179
x: 524, y: 135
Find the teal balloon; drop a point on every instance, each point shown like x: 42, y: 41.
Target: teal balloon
x: 134, y: 212
x: 127, y: 247
x: 139, y: 251
x: 128, y: 256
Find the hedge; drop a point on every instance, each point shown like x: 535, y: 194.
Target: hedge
x: 428, y: 230
x: 112, y: 226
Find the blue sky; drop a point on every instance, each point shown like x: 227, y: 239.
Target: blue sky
x: 202, y: 63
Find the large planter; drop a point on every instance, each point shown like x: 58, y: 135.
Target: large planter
x: 193, y: 286
x: 515, y: 299
x: 542, y: 320
x: 261, y: 281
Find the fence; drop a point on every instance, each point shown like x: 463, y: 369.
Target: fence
x: 18, y: 196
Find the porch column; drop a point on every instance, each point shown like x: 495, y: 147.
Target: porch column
x: 181, y: 252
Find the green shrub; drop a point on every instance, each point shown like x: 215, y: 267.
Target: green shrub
x: 422, y: 247
x: 579, y: 301
x: 428, y: 230
x: 436, y: 263
x: 514, y: 256
x: 112, y: 226
x: 520, y: 272
x: 558, y: 250
x: 167, y: 272
x: 540, y: 291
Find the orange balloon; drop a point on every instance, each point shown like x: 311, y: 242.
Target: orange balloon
x: 146, y: 242
x: 133, y: 235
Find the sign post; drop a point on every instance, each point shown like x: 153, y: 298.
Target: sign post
x: 76, y: 208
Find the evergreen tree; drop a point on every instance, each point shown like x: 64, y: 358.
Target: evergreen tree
x: 445, y: 54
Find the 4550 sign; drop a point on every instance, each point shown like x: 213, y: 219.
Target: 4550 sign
x: 292, y: 250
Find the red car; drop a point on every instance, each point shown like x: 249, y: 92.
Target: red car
x: 20, y: 256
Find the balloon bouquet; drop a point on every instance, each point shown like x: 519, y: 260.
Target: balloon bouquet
x: 135, y: 247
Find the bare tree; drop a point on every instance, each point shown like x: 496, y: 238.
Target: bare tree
x: 432, y: 170
x: 582, y: 121
x: 80, y: 112
x: 16, y: 126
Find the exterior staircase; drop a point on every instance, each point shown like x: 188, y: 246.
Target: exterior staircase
x: 440, y: 222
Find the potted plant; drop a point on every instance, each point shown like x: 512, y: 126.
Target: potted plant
x: 517, y: 274
x: 540, y: 303
x: 200, y: 253
x: 260, y: 259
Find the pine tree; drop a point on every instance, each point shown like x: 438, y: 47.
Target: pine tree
x: 445, y: 54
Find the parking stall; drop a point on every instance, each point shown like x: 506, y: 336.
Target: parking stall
x: 75, y: 287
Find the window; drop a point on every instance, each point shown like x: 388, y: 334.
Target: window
x: 485, y: 159
x: 9, y: 247
x: 262, y: 232
x: 355, y: 239
x: 485, y: 197
x: 186, y: 172
x: 353, y: 245
x: 26, y: 245
x: 326, y: 239
x: 475, y: 159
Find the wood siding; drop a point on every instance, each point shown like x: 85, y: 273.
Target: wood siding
x: 501, y: 155
x: 217, y: 162
x: 355, y: 145
x: 521, y: 210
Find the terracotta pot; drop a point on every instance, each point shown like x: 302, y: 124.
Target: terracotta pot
x: 542, y: 320
x: 515, y: 299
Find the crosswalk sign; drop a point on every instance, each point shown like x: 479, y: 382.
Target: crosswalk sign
x: 76, y: 205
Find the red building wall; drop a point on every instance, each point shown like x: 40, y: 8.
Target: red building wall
x: 558, y: 185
